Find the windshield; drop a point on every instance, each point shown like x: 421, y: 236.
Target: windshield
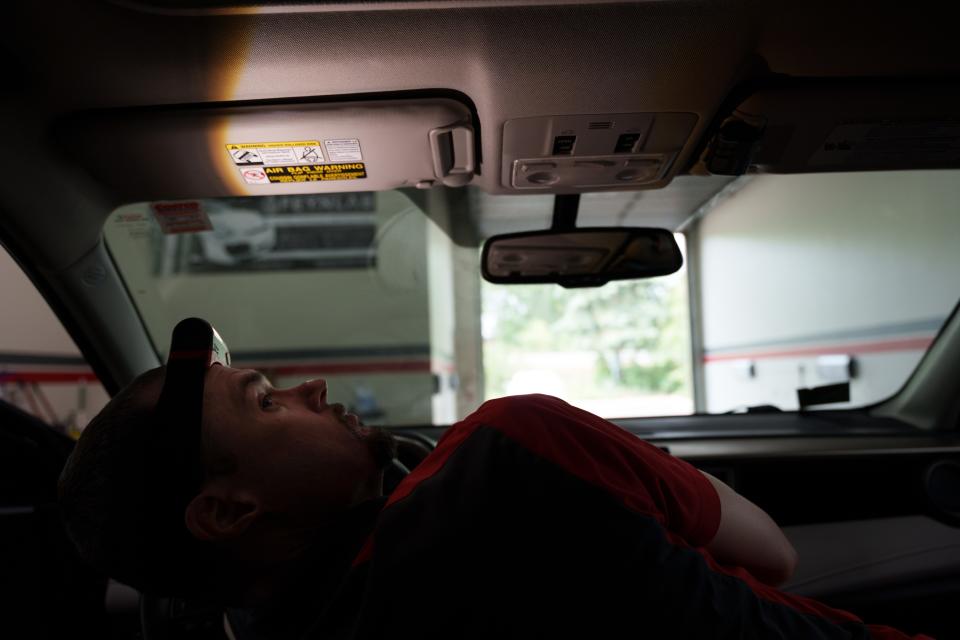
x: 789, y: 282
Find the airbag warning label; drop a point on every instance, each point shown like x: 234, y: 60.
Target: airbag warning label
x: 304, y: 173
x: 298, y: 161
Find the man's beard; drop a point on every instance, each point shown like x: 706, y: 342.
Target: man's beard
x: 379, y: 441
x: 382, y: 446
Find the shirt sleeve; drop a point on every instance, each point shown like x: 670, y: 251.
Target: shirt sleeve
x: 644, y: 477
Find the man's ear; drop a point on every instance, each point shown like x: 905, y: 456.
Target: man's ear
x: 217, y: 515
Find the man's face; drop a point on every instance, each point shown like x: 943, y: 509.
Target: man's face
x: 300, y: 455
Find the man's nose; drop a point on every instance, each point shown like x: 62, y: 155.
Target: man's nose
x: 314, y: 392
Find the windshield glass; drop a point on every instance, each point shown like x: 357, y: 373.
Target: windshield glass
x: 789, y: 282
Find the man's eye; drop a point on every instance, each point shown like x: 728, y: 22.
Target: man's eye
x: 266, y: 401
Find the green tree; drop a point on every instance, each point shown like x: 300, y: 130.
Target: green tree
x: 637, y: 328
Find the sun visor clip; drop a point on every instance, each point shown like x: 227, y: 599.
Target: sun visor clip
x: 732, y: 150
x: 453, y: 153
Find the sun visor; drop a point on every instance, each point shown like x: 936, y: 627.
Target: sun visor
x: 809, y: 128
x: 276, y: 149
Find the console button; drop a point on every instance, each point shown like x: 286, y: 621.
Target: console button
x: 563, y: 145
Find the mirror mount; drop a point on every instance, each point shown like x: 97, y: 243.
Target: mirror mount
x: 565, y: 208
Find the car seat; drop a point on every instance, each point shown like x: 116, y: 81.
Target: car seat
x: 48, y: 591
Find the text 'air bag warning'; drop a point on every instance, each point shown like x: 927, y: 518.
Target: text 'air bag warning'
x: 304, y: 173
x: 298, y: 161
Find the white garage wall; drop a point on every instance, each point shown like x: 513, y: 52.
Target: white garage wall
x: 41, y: 369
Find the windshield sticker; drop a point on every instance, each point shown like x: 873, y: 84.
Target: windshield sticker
x: 298, y: 161
x: 889, y: 143
x: 135, y: 223
x: 343, y: 150
x: 181, y: 217
x: 304, y: 173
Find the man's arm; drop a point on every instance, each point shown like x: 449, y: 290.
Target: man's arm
x: 749, y: 538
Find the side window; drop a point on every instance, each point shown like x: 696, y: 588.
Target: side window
x: 41, y: 369
x: 809, y: 280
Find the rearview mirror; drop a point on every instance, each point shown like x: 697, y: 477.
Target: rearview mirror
x: 580, y: 257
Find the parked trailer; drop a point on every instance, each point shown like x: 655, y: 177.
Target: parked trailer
x: 806, y: 280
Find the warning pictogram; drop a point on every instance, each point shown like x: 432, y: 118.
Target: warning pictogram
x: 310, y: 154
x: 254, y: 176
x: 246, y: 156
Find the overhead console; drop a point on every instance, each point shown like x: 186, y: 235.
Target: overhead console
x: 592, y: 152
x: 809, y: 127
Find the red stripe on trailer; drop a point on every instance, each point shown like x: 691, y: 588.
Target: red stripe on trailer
x: 878, y: 346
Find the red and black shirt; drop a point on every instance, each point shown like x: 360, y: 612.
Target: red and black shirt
x: 533, y: 518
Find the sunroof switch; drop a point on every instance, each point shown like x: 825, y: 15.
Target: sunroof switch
x: 626, y: 143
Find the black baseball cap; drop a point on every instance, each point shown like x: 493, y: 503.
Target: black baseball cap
x: 174, y: 471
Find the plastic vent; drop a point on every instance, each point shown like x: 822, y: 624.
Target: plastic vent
x: 600, y: 125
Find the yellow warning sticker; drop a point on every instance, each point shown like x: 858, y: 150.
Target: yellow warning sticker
x: 303, y: 173
x: 265, y: 154
x: 271, y: 145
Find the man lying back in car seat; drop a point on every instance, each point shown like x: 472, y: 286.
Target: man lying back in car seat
x: 531, y: 518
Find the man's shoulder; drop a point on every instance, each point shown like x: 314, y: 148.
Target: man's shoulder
x: 519, y: 417
x: 536, y: 413
x: 529, y: 421
x: 546, y: 426
x: 521, y: 405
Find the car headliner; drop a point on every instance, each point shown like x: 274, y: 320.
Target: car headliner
x: 511, y: 59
